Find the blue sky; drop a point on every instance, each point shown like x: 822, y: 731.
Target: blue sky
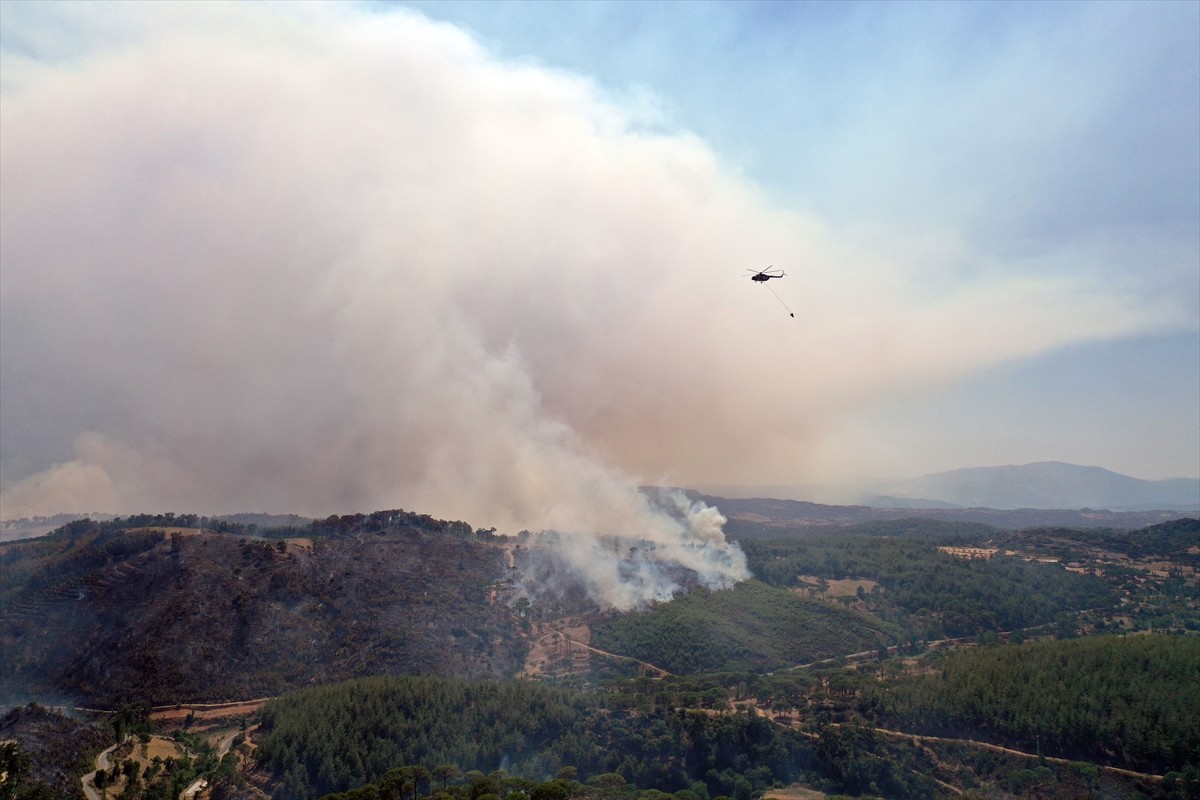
x: 1031, y: 129
x: 488, y: 260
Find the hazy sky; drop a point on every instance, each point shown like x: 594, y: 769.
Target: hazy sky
x: 488, y: 260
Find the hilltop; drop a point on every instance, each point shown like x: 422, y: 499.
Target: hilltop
x: 157, y: 615
x: 159, y: 610
x: 1050, y: 484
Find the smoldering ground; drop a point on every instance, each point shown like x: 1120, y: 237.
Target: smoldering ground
x: 627, y: 568
x: 313, y: 260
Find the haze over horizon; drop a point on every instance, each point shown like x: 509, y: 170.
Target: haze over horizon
x: 488, y: 261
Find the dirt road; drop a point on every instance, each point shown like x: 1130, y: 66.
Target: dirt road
x: 102, y: 763
x: 1001, y: 749
x: 545, y: 654
x: 919, y: 739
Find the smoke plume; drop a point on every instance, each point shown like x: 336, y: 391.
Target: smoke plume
x: 314, y: 260
x: 671, y: 544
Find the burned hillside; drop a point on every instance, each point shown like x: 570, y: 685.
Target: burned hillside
x: 157, y: 615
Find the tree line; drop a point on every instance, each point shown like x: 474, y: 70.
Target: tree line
x: 932, y: 593
x: 752, y: 627
x: 337, y: 738
x: 1124, y: 700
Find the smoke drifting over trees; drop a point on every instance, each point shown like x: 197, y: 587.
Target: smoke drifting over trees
x: 670, y: 544
x: 320, y: 261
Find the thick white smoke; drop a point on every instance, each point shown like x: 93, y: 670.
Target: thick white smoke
x: 668, y: 544
x: 306, y: 259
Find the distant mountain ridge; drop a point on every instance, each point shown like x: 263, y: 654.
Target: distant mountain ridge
x: 765, y: 516
x: 1042, y: 485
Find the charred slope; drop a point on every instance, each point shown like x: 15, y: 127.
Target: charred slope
x: 105, y: 616
x: 46, y: 752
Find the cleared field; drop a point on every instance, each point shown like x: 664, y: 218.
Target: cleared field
x: 794, y: 792
x: 210, y: 711
x: 847, y: 587
x: 144, y: 754
x: 157, y: 746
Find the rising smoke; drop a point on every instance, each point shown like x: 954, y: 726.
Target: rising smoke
x: 626, y: 568
x: 309, y: 260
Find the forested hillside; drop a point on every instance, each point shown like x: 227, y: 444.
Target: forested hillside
x: 1129, y: 701
x: 339, y: 737
x: 1175, y: 540
x: 831, y: 667
x: 388, y: 721
x: 931, y: 592
x: 752, y: 627
x: 1124, y: 701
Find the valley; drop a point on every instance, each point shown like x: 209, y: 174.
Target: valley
x: 854, y: 646
x: 528, y: 400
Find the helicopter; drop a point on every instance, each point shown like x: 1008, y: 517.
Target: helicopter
x: 764, y: 275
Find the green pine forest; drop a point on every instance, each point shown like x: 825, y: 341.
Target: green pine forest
x: 1124, y: 701
x: 759, y: 694
x: 914, y: 659
x: 752, y: 627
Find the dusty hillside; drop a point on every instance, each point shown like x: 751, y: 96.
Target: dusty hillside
x: 148, y: 616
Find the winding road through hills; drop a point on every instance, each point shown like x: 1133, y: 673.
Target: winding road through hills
x: 104, y: 759
x: 89, y: 780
